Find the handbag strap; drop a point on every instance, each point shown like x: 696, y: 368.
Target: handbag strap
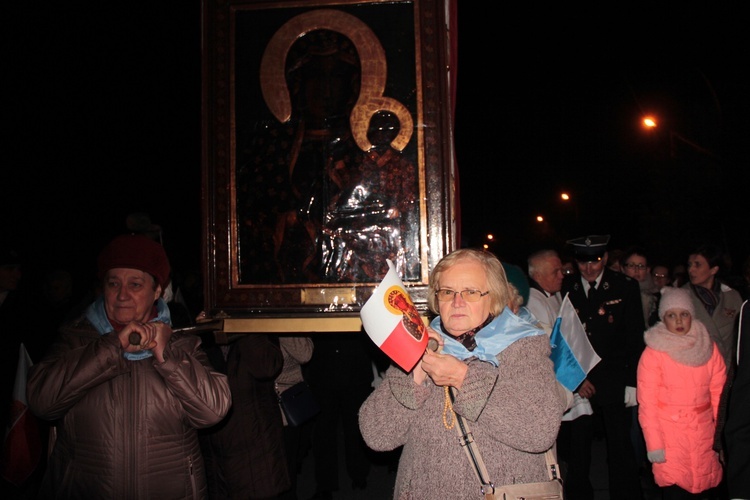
x: 477, y: 462
x: 466, y: 439
x: 553, y: 470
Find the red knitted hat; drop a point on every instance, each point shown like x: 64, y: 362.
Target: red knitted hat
x: 135, y: 251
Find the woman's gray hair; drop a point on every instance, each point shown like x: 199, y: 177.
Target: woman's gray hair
x: 501, y: 293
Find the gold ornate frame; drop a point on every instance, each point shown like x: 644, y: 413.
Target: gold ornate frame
x: 402, y: 48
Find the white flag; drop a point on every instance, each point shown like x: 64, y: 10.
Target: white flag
x: 571, y: 350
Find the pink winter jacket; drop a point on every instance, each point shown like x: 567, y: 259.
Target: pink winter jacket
x: 678, y: 405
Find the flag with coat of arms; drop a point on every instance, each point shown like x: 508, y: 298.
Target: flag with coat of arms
x: 393, y: 323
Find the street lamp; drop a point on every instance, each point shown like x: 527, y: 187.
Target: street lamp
x: 490, y: 238
x: 650, y: 122
x: 713, y: 163
x: 572, y: 204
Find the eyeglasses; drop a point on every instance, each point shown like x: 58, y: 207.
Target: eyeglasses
x: 657, y: 275
x: 640, y: 267
x: 446, y: 294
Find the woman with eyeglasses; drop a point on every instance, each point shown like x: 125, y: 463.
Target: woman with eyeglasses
x: 635, y: 264
x: 492, y: 367
x: 660, y: 275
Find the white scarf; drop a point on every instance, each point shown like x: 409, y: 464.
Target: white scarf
x: 692, y: 349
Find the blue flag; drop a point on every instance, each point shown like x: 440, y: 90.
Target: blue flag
x: 571, y: 350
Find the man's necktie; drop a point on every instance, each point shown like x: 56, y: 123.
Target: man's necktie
x: 592, y: 288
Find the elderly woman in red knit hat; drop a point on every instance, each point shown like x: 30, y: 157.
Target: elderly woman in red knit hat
x: 127, y: 393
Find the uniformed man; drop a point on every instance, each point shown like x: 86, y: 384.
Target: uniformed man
x: 608, y: 304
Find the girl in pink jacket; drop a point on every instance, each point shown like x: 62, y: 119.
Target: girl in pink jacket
x: 680, y: 378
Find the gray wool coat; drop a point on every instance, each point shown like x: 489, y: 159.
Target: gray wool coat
x: 514, y: 411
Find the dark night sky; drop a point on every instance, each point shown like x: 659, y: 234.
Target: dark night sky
x: 563, y: 114
x: 103, y: 119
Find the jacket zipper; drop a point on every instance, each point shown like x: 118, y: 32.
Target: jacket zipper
x: 192, y: 477
x: 132, y: 425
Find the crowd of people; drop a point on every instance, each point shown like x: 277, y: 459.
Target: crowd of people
x: 678, y: 383
x: 130, y: 400
x: 674, y: 387
x: 131, y: 406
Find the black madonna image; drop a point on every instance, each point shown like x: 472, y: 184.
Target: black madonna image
x: 327, y: 176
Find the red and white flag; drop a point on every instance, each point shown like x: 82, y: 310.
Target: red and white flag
x: 393, y: 323
x: 22, y: 448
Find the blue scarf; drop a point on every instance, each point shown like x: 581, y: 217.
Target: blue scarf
x: 98, y: 317
x: 493, y: 338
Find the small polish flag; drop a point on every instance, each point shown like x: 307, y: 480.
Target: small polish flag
x: 393, y: 323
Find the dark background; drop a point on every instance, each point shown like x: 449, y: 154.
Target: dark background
x: 550, y: 100
x: 102, y: 118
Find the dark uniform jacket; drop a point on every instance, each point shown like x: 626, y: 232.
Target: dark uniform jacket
x: 613, y: 320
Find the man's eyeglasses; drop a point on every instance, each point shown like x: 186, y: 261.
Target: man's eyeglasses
x: 446, y: 294
x: 657, y: 275
x: 639, y: 267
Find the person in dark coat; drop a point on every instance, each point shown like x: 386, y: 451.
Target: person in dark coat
x: 14, y: 323
x: 340, y: 375
x: 125, y: 392
x: 737, y: 426
x: 244, y: 453
x: 19, y: 317
x: 608, y: 304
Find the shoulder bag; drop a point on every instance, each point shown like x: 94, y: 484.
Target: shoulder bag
x: 546, y: 490
x: 298, y: 404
